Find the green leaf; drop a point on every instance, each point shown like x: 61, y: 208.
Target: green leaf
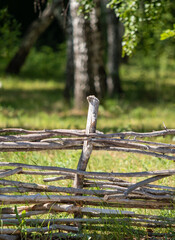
x: 167, y: 34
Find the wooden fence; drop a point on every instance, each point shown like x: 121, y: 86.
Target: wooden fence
x: 95, y: 195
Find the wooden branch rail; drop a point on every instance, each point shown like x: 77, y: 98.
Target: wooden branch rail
x: 98, y: 145
x: 45, y: 222
x: 87, y: 200
x: 91, y: 174
x: 103, y: 190
x: 42, y: 208
x: 30, y: 187
x: 81, y: 133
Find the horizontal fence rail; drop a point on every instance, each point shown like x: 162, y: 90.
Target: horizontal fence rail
x: 109, y: 142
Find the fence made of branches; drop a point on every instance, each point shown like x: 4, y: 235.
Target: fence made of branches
x: 96, y: 199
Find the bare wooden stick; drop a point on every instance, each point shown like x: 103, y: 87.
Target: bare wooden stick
x: 27, y: 214
x: 113, y: 194
x: 115, y: 181
x: 35, y: 145
x: 87, y: 200
x: 147, y: 197
x: 167, y: 145
x: 129, y: 144
x: 57, y: 178
x: 18, y: 190
x: 66, y: 175
x: 33, y: 149
x: 141, y: 191
x: 98, y: 174
x: 38, y: 146
x: 142, y: 204
x: 113, y: 229
x: 160, y: 186
x: 118, y: 182
x: 68, y: 132
x: 123, y: 185
x: 85, y: 210
x: 46, y: 188
x: 141, y: 135
x: 119, y: 149
x: 142, y: 183
x: 29, y: 137
x: 43, y: 229
x: 72, y: 144
x: 162, y: 147
x: 54, y: 207
x: 104, y: 221
x: 38, y: 198
x: 10, y: 172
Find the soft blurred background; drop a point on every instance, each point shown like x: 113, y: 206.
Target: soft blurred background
x: 46, y: 71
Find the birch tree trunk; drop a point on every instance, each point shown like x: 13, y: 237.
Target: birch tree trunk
x: 89, y: 73
x: 82, y: 74
x: 69, y: 85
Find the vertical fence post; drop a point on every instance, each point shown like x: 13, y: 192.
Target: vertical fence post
x: 87, y: 146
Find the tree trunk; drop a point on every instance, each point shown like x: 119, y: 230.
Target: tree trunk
x: 81, y: 56
x: 69, y: 85
x: 89, y: 73
x: 33, y: 33
x: 98, y: 51
x: 114, y: 50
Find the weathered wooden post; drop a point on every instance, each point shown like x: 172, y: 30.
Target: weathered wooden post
x: 87, y: 146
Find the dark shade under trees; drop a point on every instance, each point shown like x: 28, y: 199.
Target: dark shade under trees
x: 33, y: 33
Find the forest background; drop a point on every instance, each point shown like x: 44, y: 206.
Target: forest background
x: 142, y: 85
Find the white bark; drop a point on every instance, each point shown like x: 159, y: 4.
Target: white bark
x: 80, y: 50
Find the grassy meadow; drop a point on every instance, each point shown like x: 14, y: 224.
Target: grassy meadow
x: 34, y: 100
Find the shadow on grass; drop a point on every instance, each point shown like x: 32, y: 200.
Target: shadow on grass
x: 30, y: 100
x: 143, y: 92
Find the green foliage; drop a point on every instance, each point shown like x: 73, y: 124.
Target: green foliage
x: 46, y: 63
x: 143, y: 21
x: 169, y: 33
x: 85, y: 7
x: 22, y: 223
x: 133, y: 14
x: 9, y: 34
